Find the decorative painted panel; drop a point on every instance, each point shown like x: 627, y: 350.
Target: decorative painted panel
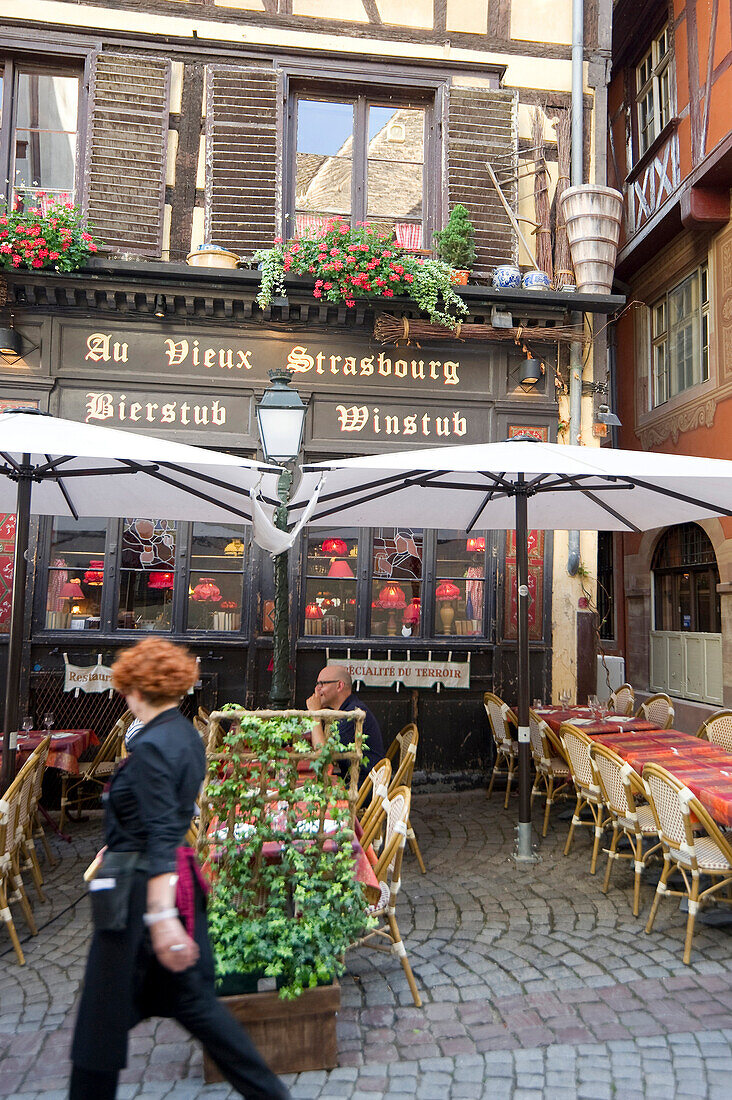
x: 656, y: 183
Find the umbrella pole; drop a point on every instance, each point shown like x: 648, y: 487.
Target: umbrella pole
x: 524, y: 849
x: 17, y: 616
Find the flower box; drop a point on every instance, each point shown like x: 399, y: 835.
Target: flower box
x: 292, y: 1036
x: 210, y: 256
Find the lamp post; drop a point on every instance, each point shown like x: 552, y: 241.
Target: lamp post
x: 281, y: 422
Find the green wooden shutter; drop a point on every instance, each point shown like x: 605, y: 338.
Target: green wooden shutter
x: 241, y: 157
x: 482, y: 127
x: 124, y: 184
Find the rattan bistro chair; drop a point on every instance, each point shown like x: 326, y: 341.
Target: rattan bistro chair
x: 622, y: 700
x: 402, y: 777
x: 706, y: 851
x: 620, y: 787
x: 86, y: 787
x: 501, y: 719
x: 657, y: 709
x: 388, y: 872
x: 552, y: 776
x: 374, y: 787
x: 718, y: 729
x: 589, y: 793
x: 12, y: 888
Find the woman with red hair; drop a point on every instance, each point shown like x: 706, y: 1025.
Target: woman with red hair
x: 146, y: 962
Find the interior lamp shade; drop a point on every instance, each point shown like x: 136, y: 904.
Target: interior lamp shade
x: 312, y: 611
x: 473, y: 545
x: 447, y: 591
x: 161, y: 580
x: 335, y: 546
x: 340, y: 569
x: 234, y: 549
x: 411, y: 613
x: 206, y: 591
x: 94, y: 575
x: 72, y: 590
x: 392, y: 597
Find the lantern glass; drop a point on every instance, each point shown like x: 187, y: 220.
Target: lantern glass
x: 281, y: 419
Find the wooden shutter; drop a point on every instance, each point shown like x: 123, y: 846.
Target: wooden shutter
x: 128, y: 138
x: 241, y: 157
x: 482, y: 127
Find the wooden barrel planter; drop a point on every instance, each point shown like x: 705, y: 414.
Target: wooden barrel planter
x: 292, y: 1036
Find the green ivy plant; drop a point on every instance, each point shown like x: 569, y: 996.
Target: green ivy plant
x: 293, y: 918
x: 359, y: 262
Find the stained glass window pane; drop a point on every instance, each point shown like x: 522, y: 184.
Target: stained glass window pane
x: 396, y: 588
x: 147, y: 577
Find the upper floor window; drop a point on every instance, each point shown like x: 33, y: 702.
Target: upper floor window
x: 680, y: 336
x: 40, y: 129
x: 363, y: 159
x: 653, y: 90
x: 685, y: 579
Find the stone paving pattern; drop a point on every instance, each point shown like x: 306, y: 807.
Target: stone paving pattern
x: 534, y: 984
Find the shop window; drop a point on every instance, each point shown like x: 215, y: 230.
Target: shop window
x: 685, y: 579
x: 396, y: 584
x: 147, y: 575
x: 460, y: 583
x: 215, y: 577
x: 75, y: 575
x: 362, y: 159
x: 680, y: 335
x: 40, y: 112
x: 330, y: 583
x: 654, y: 90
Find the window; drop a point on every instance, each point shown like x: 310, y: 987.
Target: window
x: 396, y: 585
x: 147, y: 576
x: 460, y: 588
x: 75, y: 575
x: 653, y: 95
x: 363, y: 159
x: 40, y: 123
x: 685, y: 579
x: 330, y: 582
x: 215, y: 577
x: 680, y: 337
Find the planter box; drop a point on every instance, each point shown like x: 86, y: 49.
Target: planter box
x: 292, y: 1036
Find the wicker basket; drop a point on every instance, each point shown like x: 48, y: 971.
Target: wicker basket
x: 593, y: 216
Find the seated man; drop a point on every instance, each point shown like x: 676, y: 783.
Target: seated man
x: 334, y: 691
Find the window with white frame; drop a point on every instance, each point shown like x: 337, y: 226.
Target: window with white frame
x: 653, y: 90
x: 680, y: 336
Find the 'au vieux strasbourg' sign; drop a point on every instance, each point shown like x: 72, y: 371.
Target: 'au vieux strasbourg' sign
x: 323, y: 362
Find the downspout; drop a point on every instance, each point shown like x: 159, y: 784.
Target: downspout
x: 576, y: 178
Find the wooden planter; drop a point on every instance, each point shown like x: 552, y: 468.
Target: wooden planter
x: 292, y: 1036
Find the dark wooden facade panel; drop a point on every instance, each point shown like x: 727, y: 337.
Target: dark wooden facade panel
x: 482, y: 127
x: 124, y: 186
x: 241, y: 157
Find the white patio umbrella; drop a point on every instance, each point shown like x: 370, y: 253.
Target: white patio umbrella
x: 521, y: 483
x: 50, y: 466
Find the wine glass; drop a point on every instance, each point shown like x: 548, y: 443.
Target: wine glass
x: 564, y: 697
x: 48, y: 721
x: 594, y: 704
x: 27, y: 724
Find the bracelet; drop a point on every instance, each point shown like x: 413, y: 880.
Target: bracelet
x: 153, y: 918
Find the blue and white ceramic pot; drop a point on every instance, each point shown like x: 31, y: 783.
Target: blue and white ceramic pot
x: 536, y: 280
x: 506, y: 275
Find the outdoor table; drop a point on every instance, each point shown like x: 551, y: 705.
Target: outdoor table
x: 66, y: 747
x: 583, y: 718
x: 705, y: 769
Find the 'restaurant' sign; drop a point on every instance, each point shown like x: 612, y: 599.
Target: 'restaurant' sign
x: 317, y: 361
x: 452, y: 674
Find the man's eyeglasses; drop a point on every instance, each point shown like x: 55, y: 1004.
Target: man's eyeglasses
x: 322, y: 683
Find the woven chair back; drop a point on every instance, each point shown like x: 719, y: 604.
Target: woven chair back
x: 658, y: 709
x: 671, y: 799
x: 622, y: 700
x: 40, y: 754
x: 407, y: 737
x: 541, y: 748
x: 663, y: 794
x: 718, y: 729
x: 109, y: 748
x: 402, y: 777
x: 388, y: 868
x: 376, y: 784
x: 610, y: 771
x: 500, y: 717
x: 577, y: 745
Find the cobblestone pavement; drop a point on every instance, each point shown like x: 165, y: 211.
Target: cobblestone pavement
x: 534, y: 983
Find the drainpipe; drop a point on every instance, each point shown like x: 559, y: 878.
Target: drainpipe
x: 576, y: 178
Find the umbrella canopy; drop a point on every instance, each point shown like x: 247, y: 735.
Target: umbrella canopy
x: 50, y: 466
x: 578, y: 488
x: 87, y: 470
x: 521, y: 483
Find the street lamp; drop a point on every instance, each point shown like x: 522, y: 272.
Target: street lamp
x: 281, y: 422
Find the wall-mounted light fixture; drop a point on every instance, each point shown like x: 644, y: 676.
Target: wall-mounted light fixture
x: 501, y: 318
x: 13, y: 345
x: 606, y: 416
x: 160, y: 305
x: 530, y: 371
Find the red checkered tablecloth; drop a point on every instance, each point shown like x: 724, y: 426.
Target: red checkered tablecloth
x: 583, y: 718
x: 705, y: 769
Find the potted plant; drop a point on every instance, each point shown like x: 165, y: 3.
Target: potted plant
x: 364, y: 261
x: 285, y: 903
x: 51, y: 233
x: 456, y: 244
